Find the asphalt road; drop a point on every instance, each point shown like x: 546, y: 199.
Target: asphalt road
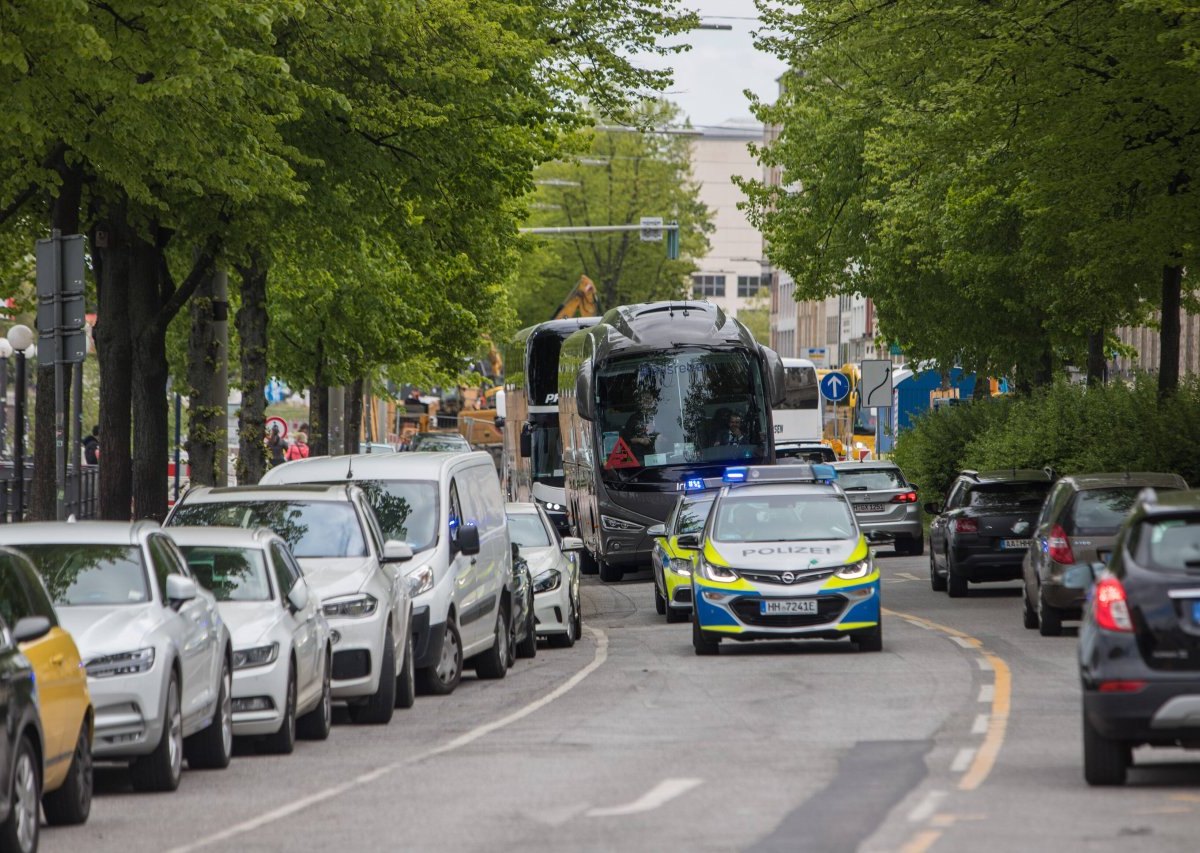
x: 962, y: 735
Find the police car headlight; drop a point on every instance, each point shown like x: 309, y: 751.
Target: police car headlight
x: 681, y: 567
x: 720, y: 574
x: 854, y: 571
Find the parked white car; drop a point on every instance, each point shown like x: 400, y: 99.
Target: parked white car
x: 282, y: 654
x: 555, y: 572
x: 449, y: 509
x: 158, y: 654
x: 346, y: 561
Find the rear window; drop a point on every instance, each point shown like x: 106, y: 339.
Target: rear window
x: 870, y: 479
x: 1171, y: 545
x: 1008, y: 494
x: 312, y: 529
x: 1099, y: 512
x: 806, y: 454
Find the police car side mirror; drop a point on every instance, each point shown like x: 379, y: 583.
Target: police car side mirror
x: 656, y: 530
x: 688, y: 542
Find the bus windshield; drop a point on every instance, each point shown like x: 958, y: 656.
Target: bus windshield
x: 680, y: 408
x: 546, y: 458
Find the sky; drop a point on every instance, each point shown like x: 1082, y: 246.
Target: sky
x: 711, y: 77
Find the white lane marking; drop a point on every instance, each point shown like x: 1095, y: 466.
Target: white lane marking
x: 663, y: 792
x: 907, y: 576
x: 928, y: 805
x: 987, y: 693
x: 366, y: 778
x: 981, y: 725
x: 966, y: 644
x: 984, y: 664
x: 919, y: 624
x: 962, y: 760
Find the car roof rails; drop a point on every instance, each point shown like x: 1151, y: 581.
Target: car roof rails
x: 970, y: 472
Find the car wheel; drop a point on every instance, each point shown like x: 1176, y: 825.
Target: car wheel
x: 1029, y: 616
x: 441, y: 679
x: 527, y: 648
x: 493, y: 663
x: 567, y: 638
x: 406, y: 681
x: 20, y: 831
x: 1050, y: 619
x: 283, y: 742
x: 72, y: 802
x: 703, y: 642
x: 161, y: 769
x: 660, y: 603
x: 675, y: 615
x: 377, y: 710
x: 936, y: 582
x: 956, y: 584
x: 610, y: 573
x: 870, y: 640
x: 315, y: 725
x: 211, y: 748
x: 578, y: 609
x: 1105, y: 761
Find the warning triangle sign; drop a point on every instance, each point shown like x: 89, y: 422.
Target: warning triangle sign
x: 622, y: 456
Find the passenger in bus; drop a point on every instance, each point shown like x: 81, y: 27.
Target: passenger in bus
x: 639, y: 432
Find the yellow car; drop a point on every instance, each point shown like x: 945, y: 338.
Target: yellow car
x: 673, y: 565
x: 62, y: 693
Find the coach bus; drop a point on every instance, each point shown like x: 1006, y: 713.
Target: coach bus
x: 532, y: 463
x: 657, y: 397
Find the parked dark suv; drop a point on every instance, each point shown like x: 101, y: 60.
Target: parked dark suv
x: 982, y: 530
x: 21, y: 743
x: 1078, y: 525
x: 1139, y: 644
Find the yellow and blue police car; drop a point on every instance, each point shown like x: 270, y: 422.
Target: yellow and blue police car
x: 672, y: 565
x: 781, y: 557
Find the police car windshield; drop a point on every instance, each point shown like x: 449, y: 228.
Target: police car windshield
x: 782, y: 518
x: 692, y: 516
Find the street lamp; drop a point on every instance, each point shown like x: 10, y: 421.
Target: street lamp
x: 21, y: 339
x: 6, y: 350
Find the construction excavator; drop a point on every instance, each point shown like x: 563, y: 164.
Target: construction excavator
x: 580, y: 302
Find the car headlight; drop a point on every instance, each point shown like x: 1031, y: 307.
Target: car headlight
x: 125, y: 663
x: 257, y: 656
x: 420, y: 580
x: 720, y: 574
x: 681, y: 566
x: 854, y: 571
x: 547, y: 580
x: 353, y: 606
x: 552, y: 507
x: 610, y: 523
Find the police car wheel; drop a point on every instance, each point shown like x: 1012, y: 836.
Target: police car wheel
x: 674, y: 614
x: 870, y: 640
x: 660, y: 603
x: 703, y: 642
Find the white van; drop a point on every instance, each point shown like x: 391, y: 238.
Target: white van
x: 449, y: 509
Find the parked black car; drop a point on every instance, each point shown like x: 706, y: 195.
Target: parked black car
x: 1139, y: 644
x: 982, y: 530
x: 22, y: 743
x: 522, y: 630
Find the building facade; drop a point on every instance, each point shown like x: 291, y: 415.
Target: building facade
x: 1145, y: 343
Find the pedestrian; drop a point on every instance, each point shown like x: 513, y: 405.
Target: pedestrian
x: 91, y: 447
x: 277, y: 447
x: 299, y: 448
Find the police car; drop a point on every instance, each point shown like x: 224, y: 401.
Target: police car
x: 673, y: 565
x: 781, y: 557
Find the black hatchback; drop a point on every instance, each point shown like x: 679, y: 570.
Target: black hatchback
x: 1139, y: 644
x: 21, y: 744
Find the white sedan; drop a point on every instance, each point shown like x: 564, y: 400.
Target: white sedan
x: 282, y: 654
x: 554, y: 570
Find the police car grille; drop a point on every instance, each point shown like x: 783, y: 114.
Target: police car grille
x: 828, y: 608
x: 776, y: 577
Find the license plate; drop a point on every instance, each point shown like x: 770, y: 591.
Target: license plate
x: 1014, y: 544
x: 789, y: 606
x: 868, y: 507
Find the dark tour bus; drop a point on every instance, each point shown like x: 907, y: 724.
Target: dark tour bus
x: 532, y: 465
x: 656, y: 395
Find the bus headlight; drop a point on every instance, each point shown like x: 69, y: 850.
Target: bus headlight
x: 611, y: 523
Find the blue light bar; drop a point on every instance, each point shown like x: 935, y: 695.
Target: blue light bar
x: 735, y: 475
x: 824, y: 472
x: 692, y: 484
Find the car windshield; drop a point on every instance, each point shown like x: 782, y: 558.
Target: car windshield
x: 439, y: 443
x: 870, y: 479
x: 807, y: 453
x: 407, y: 510
x: 526, y: 529
x: 782, y: 518
x: 1099, y: 512
x: 1007, y: 494
x: 82, y: 574
x: 692, y: 515
x: 233, y: 574
x: 313, y: 529
x: 1172, y: 544
x: 679, y: 408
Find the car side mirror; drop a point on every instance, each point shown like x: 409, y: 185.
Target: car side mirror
x: 395, y: 551
x: 688, y: 542
x: 572, y: 543
x: 298, y: 596
x: 933, y: 508
x: 468, y: 539
x: 1098, y: 568
x: 776, y: 378
x: 656, y: 530
x: 30, y: 628
x: 1081, y: 575
x: 180, y: 589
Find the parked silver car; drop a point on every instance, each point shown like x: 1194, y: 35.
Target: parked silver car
x: 885, y: 504
x: 158, y: 655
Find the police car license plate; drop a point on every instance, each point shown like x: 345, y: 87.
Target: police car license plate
x: 868, y: 507
x: 1012, y: 544
x: 789, y: 606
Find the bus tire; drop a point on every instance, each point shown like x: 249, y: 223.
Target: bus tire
x: 610, y: 573
x: 587, y: 563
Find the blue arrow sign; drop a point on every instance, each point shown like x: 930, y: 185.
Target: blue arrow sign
x: 835, y: 387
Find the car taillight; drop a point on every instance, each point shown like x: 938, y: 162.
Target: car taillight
x: 905, y: 498
x: 1111, y: 608
x: 1059, y: 546
x: 966, y: 525
x: 1121, y: 686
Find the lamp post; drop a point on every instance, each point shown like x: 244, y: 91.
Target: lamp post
x: 21, y: 339
x: 6, y: 350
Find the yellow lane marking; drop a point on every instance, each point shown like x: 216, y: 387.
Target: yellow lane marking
x: 922, y: 841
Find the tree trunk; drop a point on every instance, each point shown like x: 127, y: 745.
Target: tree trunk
x: 148, y: 383
x: 252, y: 333
x: 1096, y: 363
x: 112, y: 242
x: 318, y: 408
x: 1044, y: 373
x: 354, y: 411
x: 1168, y: 348
x: 205, y: 417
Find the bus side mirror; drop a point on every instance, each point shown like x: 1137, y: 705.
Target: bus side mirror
x: 526, y: 442
x: 775, y: 375
x: 584, y: 402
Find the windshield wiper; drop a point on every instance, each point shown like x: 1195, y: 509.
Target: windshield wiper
x: 854, y: 488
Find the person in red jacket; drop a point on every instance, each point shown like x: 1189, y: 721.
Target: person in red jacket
x: 299, y: 448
